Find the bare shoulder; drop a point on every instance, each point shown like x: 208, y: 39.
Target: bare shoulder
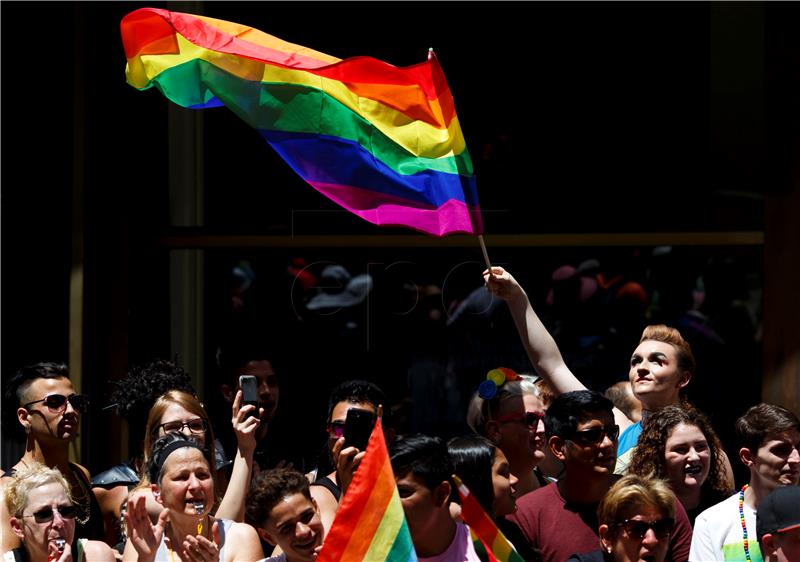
x: 323, y: 496
x: 242, y: 531
x: 98, y: 551
x: 242, y: 544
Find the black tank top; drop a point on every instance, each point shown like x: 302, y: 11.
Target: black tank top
x: 330, y: 485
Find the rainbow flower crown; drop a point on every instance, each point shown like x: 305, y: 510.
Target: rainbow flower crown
x: 494, y: 380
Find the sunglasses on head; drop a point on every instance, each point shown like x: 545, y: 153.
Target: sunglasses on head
x: 46, y: 514
x: 195, y: 425
x: 335, y: 429
x: 531, y: 419
x: 594, y: 435
x: 57, y: 402
x: 637, y: 529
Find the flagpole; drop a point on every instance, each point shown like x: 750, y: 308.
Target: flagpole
x: 485, y: 254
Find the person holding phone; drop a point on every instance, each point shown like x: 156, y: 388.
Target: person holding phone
x: 346, y: 399
x: 251, y: 356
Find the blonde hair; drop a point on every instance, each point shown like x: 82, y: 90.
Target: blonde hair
x: 29, y: 478
x: 480, y: 410
x: 632, y: 492
x: 665, y: 334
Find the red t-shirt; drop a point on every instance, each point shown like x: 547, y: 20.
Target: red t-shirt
x: 558, y: 530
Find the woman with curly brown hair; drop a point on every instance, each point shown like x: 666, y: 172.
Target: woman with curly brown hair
x: 680, y: 446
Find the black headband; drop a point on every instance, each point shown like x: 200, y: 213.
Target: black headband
x: 164, y: 453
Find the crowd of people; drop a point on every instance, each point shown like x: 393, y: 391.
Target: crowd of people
x: 564, y: 472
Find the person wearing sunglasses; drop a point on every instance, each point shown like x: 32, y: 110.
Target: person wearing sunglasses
x: 659, y: 371
x: 178, y: 412
x: 49, y: 412
x: 326, y: 490
x: 508, y: 410
x: 561, y: 520
x: 43, y: 519
x: 636, y: 519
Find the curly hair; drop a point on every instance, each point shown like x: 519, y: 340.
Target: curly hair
x: 137, y: 391
x: 269, y: 488
x: 649, y: 457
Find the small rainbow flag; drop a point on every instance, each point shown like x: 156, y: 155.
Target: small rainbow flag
x: 381, y: 141
x: 370, y: 525
x: 486, y: 537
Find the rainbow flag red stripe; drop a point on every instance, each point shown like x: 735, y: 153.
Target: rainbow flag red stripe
x: 370, y: 524
x: 485, y: 534
x: 383, y: 142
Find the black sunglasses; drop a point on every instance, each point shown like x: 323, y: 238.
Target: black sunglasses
x: 195, y: 425
x: 531, y: 419
x: 58, y: 401
x: 594, y: 435
x: 637, y: 529
x: 46, y: 514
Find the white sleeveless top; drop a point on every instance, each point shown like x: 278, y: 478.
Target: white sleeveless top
x: 162, y: 554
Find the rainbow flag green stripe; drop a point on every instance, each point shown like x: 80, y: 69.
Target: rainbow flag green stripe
x: 296, y: 108
x: 384, y: 142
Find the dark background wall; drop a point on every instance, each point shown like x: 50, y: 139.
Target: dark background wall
x: 581, y: 118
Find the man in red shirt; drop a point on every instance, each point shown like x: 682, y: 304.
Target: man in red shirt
x: 560, y: 519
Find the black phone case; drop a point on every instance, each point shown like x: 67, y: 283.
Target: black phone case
x: 250, y: 395
x: 357, y: 428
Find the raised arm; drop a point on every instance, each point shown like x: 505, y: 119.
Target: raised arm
x: 233, y: 502
x: 539, y: 344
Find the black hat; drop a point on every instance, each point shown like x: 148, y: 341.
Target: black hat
x: 779, y: 511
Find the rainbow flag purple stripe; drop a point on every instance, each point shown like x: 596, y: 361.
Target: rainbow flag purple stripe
x: 383, y: 142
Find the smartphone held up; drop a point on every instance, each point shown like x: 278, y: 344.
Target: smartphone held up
x: 358, y: 427
x: 249, y: 386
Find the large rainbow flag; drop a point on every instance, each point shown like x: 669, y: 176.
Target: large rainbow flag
x: 370, y: 525
x: 490, y: 543
x: 381, y: 141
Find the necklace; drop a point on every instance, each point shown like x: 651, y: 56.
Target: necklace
x: 82, y: 502
x: 168, y: 541
x: 744, y: 524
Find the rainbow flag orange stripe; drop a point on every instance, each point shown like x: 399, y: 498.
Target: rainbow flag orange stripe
x: 483, y: 530
x: 370, y: 524
x: 383, y: 142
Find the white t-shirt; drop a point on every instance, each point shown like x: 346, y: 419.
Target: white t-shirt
x: 460, y: 550
x: 718, y: 535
